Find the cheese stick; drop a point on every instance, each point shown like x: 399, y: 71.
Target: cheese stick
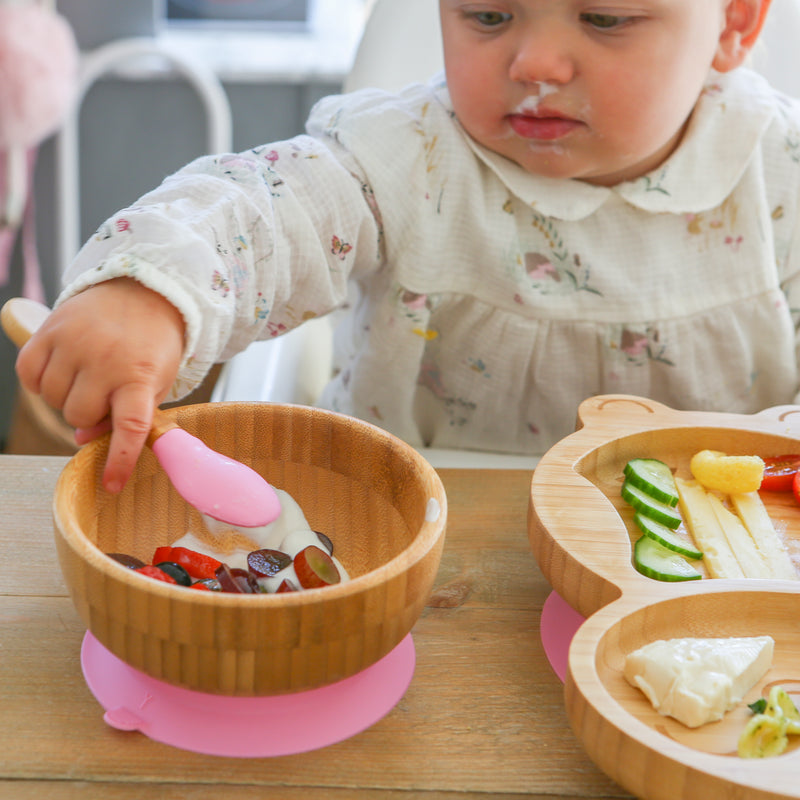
x: 719, y: 558
x: 752, y: 512
x: 741, y: 543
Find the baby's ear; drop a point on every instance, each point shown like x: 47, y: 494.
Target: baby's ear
x: 743, y: 22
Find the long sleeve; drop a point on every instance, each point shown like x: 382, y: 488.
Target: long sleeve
x: 246, y: 246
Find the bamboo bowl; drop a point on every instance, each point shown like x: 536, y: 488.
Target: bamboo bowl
x: 582, y: 534
x: 378, y: 500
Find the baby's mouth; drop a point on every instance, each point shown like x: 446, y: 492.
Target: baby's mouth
x: 544, y: 125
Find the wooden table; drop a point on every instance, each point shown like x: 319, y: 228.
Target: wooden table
x: 483, y: 718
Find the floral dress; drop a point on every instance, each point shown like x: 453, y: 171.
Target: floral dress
x: 485, y: 303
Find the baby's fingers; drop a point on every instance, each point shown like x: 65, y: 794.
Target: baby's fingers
x: 131, y: 415
x: 84, y: 435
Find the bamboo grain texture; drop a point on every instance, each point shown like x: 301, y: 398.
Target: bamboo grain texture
x: 484, y: 715
x: 582, y: 532
x: 369, y: 492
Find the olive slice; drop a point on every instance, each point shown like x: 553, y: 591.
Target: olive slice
x: 176, y: 572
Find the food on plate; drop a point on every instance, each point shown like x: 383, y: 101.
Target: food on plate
x: 656, y: 561
x: 767, y: 731
x: 718, y: 556
x: 779, y: 472
x: 654, y: 478
x: 667, y: 537
x: 650, y: 506
x: 741, y: 542
x: 737, y: 542
x: 649, y: 487
x: 729, y: 528
x: 285, y: 555
x: 698, y: 680
x: 728, y: 474
x: 753, y: 514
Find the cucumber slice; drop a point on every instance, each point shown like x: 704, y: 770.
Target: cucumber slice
x: 666, y: 537
x: 650, y: 507
x: 654, y: 478
x: 655, y: 561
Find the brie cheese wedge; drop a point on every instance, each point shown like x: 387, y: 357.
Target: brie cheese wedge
x: 698, y: 680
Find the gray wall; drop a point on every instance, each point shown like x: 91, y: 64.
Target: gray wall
x: 132, y: 135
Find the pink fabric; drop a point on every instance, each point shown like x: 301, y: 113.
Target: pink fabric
x: 38, y: 82
x: 38, y: 73
x: 32, y: 282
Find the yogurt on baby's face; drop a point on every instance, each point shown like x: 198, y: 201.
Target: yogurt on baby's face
x: 290, y: 533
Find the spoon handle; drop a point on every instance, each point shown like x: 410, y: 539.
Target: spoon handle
x: 21, y: 318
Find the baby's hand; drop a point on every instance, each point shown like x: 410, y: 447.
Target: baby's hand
x: 111, y: 351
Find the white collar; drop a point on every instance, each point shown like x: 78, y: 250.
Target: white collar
x: 726, y: 126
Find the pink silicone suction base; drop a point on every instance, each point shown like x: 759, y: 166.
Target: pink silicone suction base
x: 247, y: 727
x: 557, y: 626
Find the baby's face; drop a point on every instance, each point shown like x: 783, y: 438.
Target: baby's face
x: 598, y: 90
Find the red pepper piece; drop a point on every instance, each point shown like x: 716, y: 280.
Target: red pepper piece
x: 201, y: 586
x: 161, y: 555
x: 155, y: 572
x: 198, y: 565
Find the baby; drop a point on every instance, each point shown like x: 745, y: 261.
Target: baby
x: 595, y: 199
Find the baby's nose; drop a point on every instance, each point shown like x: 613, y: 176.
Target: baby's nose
x: 543, y: 56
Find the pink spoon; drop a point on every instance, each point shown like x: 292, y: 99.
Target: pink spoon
x: 217, y: 486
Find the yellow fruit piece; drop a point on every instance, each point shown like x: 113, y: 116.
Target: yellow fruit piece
x: 728, y: 474
x: 762, y: 737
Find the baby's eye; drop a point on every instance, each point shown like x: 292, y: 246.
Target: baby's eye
x: 604, y: 22
x: 491, y: 19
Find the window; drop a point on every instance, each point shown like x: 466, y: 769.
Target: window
x: 269, y: 49
x: 271, y: 13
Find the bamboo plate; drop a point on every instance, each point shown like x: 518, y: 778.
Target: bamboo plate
x: 581, y: 532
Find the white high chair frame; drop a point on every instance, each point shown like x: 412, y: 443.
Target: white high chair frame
x: 96, y: 64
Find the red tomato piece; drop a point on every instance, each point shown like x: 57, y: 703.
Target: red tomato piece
x: 796, y: 486
x: 779, y: 472
x: 155, y: 572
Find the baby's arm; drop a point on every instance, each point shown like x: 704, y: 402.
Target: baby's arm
x: 237, y: 247
x: 112, y: 350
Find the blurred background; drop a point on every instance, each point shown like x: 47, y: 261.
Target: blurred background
x: 143, y: 119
